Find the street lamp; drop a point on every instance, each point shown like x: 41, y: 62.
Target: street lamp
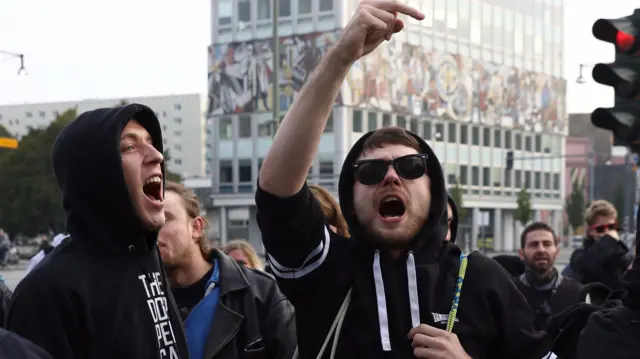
x: 22, y: 70
x: 581, y: 79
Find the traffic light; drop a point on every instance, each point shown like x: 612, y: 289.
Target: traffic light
x: 509, y: 160
x: 624, y: 76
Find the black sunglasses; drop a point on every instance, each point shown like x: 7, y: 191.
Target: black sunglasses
x: 371, y: 172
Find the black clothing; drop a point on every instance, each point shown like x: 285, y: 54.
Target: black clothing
x: 252, y: 315
x: 189, y: 297
x: 103, y: 292
x: 316, y: 269
x: 454, y: 220
x: 5, y: 298
x: 604, y: 261
x: 12, y: 346
x: 513, y: 264
x: 611, y: 333
x: 549, y: 295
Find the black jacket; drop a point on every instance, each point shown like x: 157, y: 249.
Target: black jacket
x: 253, y: 319
x: 5, y: 298
x: 611, y: 333
x: 604, y: 261
x: 316, y: 269
x: 102, y: 293
x: 12, y: 346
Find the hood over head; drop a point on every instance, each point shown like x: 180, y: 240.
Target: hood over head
x: 88, y: 167
x: 427, y: 244
x: 454, y: 220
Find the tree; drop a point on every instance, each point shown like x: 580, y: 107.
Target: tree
x: 4, y: 133
x: 524, y: 212
x: 575, y: 205
x: 171, y: 176
x: 122, y: 103
x: 30, y: 201
x: 619, y: 202
x: 456, y: 195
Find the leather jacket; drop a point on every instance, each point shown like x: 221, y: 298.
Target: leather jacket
x: 253, y: 319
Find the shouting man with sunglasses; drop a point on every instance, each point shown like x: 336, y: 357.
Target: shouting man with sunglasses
x: 390, y: 291
x: 603, y: 257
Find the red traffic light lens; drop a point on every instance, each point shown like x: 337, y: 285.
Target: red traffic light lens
x: 624, y: 41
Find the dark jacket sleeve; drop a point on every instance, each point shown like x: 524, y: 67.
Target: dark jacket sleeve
x: 5, y: 297
x: 604, y: 261
x: 279, y: 327
x: 48, y: 314
x: 13, y: 346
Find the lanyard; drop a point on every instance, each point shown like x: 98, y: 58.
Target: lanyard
x: 456, y: 297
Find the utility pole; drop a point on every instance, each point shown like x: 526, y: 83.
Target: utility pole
x: 275, y: 71
x: 592, y: 172
x: 22, y: 69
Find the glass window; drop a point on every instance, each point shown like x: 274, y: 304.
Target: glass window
x: 518, y: 141
x: 536, y: 180
x: 486, y: 176
x: 426, y: 130
x: 486, y: 137
x: 527, y: 144
x: 244, y: 126
x: 556, y: 181
x: 284, y: 9
x: 401, y: 122
x: 325, y: 5
x: 507, y: 178
x: 415, y: 126
x: 244, y: 10
x: 452, y: 133
x: 244, y: 167
x: 464, y: 134
x: 439, y: 135
x: 226, y: 171
x: 518, y: 180
x: 225, y: 12
x: 475, y: 136
x: 326, y: 169
x: 372, y: 121
x: 357, y: 121
x: 264, y: 9
x: 304, y: 7
x: 475, y: 176
x: 226, y: 128
x: 527, y: 179
x: 464, y: 179
x: 547, y: 181
x: 497, y: 138
x: 386, y: 120
x: 538, y: 143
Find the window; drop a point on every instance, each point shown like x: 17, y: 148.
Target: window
x: 415, y: 126
x: 464, y: 180
x: 357, y: 121
x: 518, y: 141
x: 486, y: 176
x: 177, y: 148
x: 42, y: 114
x: 507, y: 178
x: 328, y: 127
x: 536, y: 180
x: 177, y: 161
x: 177, y: 133
x: 284, y: 8
x: 464, y: 134
x: 177, y: 120
x: 244, y: 126
x: 401, y: 122
x: 475, y: 176
x: 547, y: 181
x: 326, y: 169
x: 426, y: 130
x: 486, y: 137
x: 475, y: 136
x: 177, y: 107
x: 304, y: 7
x: 226, y: 171
x: 264, y: 9
x: 225, y: 12
x: 518, y: 178
x: 538, y: 143
x: 372, y: 121
x: 556, y: 181
x: 325, y: 5
x: 527, y: 179
x: 244, y: 170
x: 244, y: 10
x: 28, y: 114
x: 527, y: 143
x: 452, y: 133
x: 497, y: 138
x: 507, y: 139
x: 226, y: 128
x: 386, y: 120
x: 439, y: 132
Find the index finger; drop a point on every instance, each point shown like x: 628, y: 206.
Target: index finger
x: 427, y: 330
x: 393, y: 6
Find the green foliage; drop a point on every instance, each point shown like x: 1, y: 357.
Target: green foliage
x: 4, y: 132
x: 30, y: 201
x: 171, y: 176
x: 456, y: 193
x: 575, y: 205
x: 619, y: 202
x: 524, y: 212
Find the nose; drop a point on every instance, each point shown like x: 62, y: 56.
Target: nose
x: 391, y: 177
x: 154, y: 156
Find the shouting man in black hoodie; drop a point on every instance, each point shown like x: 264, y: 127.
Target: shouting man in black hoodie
x: 389, y: 291
x: 103, y: 293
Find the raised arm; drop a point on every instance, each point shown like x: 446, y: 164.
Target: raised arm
x: 287, y: 163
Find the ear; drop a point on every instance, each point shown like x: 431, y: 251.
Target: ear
x: 197, y: 227
x: 521, y: 253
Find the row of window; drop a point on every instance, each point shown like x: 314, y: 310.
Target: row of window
x: 264, y: 9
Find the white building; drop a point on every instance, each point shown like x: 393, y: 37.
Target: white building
x: 475, y: 79
x: 181, y: 118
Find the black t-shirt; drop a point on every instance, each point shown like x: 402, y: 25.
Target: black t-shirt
x: 189, y: 297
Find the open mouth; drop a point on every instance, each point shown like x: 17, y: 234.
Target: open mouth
x: 152, y: 188
x: 391, y: 207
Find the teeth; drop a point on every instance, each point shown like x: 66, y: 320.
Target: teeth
x: 154, y: 179
x: 389, y: 199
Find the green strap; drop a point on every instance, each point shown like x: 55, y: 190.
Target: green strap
x: 456, y: 297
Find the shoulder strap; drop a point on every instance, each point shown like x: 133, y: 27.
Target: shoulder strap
x: 464, y: 259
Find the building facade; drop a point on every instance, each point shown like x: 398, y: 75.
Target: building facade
x: 181, y: 117
x: 475, y: 79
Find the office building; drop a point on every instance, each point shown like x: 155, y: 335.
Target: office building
x: 181, y: 118
x: 476, y: 78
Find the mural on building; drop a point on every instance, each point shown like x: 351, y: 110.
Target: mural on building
x: 396, y: 77
x: 403, y: 78
x: 240, y: 73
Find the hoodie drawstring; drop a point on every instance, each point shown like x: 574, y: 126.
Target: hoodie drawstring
x: 412, y: 282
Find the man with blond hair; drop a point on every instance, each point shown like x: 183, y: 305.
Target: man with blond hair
x: 603, y: 257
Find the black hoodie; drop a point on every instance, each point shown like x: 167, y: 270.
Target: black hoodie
x: 316, y: 269
x: 454, y: 221
x: 103, y: 293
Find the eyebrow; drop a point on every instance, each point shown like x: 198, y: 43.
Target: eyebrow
x: 134, y: 136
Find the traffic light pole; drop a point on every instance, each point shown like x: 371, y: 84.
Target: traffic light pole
x: 275, y: 72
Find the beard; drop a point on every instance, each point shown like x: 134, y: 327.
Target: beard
x: 541, y: 268
x: 394, y: 239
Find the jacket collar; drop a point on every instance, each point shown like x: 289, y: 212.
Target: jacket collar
x: 231, y: 276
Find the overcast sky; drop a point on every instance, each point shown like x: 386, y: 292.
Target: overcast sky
x: 79, y: 49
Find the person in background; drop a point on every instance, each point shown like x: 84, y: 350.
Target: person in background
x: 603, y: 257
x: 230, y: 311
x: 452, y: 220
x: 5, y: 299
x: 547, y: 291
x: 331, y: 210
x: 511, y: 263
x: 103, y: 293
x: 33, y: 262
x: 243, y: 252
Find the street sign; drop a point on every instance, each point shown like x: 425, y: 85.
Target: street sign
x: 8, y: 142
